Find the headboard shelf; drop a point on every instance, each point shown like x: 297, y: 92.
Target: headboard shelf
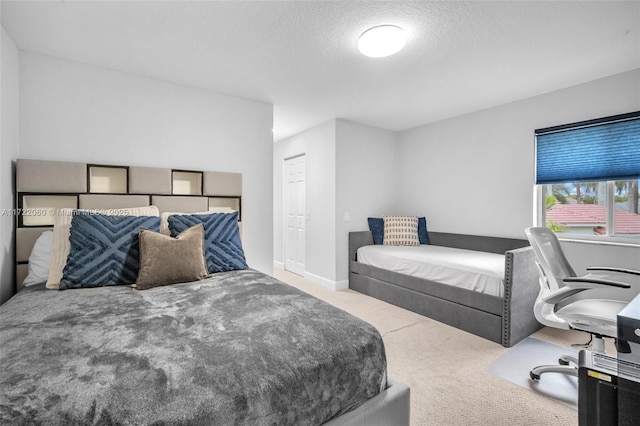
x: 39, y: 209
x: 107, y: 179
x: 184, y: 182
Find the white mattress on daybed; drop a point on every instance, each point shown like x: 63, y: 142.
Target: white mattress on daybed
x: 473, y: 270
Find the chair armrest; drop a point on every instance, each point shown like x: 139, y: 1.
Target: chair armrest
x: 612, y: 269
x: 587, y: 283
x: 575, y: 285
x: 561, y: 294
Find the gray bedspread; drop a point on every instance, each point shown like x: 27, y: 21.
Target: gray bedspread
x: 237, y: 348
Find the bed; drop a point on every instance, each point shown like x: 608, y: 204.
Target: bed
x: 231, y: 347
x: 502, y: 312
x: 236, y: 348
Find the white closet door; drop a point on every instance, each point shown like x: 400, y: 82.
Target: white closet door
x: 294, y: 214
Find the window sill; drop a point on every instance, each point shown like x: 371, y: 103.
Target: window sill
x: 601, y: 240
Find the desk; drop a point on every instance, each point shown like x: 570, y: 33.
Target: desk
x: 609, y: 387
x: 629, y: 364
x: 629, y: 331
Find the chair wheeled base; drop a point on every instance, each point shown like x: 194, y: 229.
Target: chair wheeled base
x: 567, y: 364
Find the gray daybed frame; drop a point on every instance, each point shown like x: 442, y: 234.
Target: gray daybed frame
x: 505, y: 320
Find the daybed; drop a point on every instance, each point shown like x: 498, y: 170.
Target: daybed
x: 505, y: 319
x: 231, y: 347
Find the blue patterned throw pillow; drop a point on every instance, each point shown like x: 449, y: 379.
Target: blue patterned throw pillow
x: 222, y: 246
x: 376, y: 226
x: 423, y: 234
x: 104, y: 250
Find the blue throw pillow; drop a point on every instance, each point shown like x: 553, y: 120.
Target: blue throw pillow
x: 376, y: 226
x: 222, y: 246
x: 104, y: 249
x: 423, y: 234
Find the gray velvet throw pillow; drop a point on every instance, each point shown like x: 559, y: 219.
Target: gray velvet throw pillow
x: 167, y: 260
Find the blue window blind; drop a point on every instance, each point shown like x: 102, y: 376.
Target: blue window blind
x: 595, y: 150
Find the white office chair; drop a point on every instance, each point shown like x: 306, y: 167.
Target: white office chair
x: 558, y: 281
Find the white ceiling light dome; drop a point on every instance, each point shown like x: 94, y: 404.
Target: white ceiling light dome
x: 382, y: 40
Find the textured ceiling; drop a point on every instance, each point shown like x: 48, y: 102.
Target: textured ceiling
x: 301, y: 56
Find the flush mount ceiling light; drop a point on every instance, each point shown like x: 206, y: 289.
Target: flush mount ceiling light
x: 381, y: 41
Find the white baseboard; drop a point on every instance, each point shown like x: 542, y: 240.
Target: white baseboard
x: 342, y: 285
x: 317, y: 279
x: 329, y: 284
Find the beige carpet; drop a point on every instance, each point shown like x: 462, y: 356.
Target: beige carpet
x: 446, y: 368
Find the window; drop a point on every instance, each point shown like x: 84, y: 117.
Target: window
x: 587, y: 177
x: 586, y: 208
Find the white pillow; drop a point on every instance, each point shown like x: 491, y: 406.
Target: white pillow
x: 62, y: 230
x: 39, y: 260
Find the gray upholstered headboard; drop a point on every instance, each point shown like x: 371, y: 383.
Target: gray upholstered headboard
x: 45, y: 187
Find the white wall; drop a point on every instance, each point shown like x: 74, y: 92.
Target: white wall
x: 350, y: 168
x: 319, y: 146
x: 8, y: 154
x: 366, y: 183
x: 75, y: 112
x: 474, y: 174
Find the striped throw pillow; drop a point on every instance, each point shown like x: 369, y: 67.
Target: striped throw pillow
x: 401, y: 231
